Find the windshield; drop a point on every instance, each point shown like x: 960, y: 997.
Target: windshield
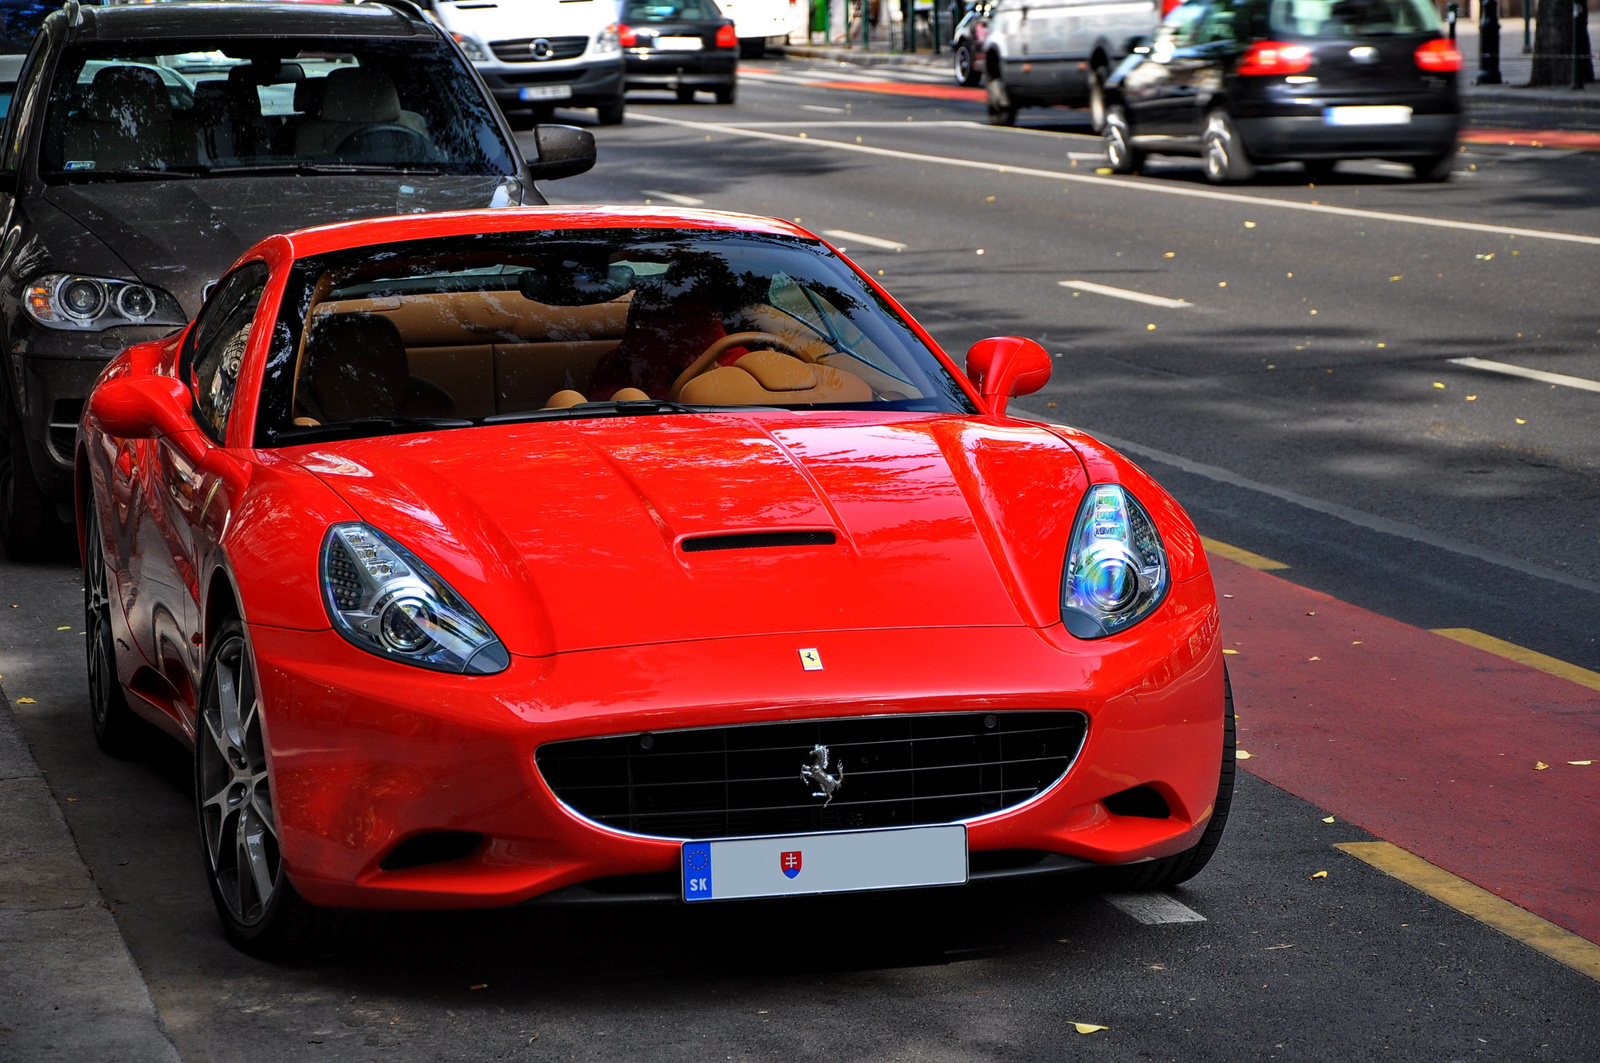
x: 587, y: 322
x: 300, y: 104
x: 1353, y: 18
x: 670, y: 11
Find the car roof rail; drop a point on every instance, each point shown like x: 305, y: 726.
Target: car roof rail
x: 74, y: 13
x: 406, y: 7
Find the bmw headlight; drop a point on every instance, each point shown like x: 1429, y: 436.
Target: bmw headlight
x: 474, y: 51
x: 1116, y: 567
x: 92, y: 304
x: 387, y: 602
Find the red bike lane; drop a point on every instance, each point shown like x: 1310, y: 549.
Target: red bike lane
x: 1423, y: 741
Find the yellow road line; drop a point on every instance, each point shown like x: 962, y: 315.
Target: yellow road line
x: 1244, y: 557
x: 1512, y: 652
x: 1560, y: 945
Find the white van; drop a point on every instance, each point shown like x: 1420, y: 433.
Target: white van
x: 536, y: 55
x: 1044, y: 52
x: 758, y: 21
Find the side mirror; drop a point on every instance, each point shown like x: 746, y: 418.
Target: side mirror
x: 147, y: 407
x: 1006, y: 366
x: 564, y: 151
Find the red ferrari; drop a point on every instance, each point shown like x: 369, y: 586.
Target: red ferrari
x: 576, y: 554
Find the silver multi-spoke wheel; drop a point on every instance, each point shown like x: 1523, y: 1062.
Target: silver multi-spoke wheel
x: 234, y: 792
x: 1118, y: 142
x: 1223, y: 154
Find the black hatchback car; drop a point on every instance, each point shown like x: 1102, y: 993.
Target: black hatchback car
x: 1247, y: 82
x: 147, y: 146
x: 685, y: 46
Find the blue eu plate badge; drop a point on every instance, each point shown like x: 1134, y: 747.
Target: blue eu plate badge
x: 697, y: 871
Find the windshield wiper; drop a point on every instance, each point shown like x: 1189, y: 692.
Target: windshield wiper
x: 310, y: 169
x: 130, y: 173
x: 624, y: 408
x: 367, y: 426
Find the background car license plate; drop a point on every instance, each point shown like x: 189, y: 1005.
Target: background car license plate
x: 546, y: 92
x: 825, y: 863
x: 1366, y: 115
x: 678, y: 44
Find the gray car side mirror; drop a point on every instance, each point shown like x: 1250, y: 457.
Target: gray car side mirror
x: 564, y: 151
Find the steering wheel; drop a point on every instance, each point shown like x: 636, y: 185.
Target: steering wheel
x: 709, y: 356
x: 385, y: 142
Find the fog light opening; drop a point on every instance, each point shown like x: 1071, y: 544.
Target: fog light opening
x: 435, y: 847
x: 1141, y: 801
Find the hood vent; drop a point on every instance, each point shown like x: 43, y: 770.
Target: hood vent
x: 759, y: 540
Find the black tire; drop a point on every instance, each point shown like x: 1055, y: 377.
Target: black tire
x: 685, y: 94
x: 968, y: 73
x: 752, y: 47
x: 1223, y: 153
x: 728, y: 94
x: 30, y: 529
x: 1117, y: 137
x: 261, y: 912
x: 1318, y: 170
x: 117, y: 730
x: 1002, y: 109
x: 611, y: 113
x: 1435, y: 169
x: 1097, y: 95
x: 1181, y: 867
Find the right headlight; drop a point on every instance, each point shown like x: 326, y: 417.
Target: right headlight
x: 474, y: 51
x: 91, y: 304
x: 384, y: 600
x: 1116, y: 567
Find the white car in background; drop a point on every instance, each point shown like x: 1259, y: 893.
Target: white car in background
x: 537, y: 55
x: 1044, y: 52
x: 758, y: 21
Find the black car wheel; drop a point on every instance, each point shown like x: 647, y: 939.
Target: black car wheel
x: 1435, y: 168
x: 261, y: 912
x: 610, y: 113
x: 729, y: 94
x: 117, y: 730
x: 29, y: 527
x: 968, y: 73
x: 685, y: 94
x: 1223, y: 152
x: 1318, y: 169
x: 1181, y: 867
x: 1122, y: 156
x: 1002, y: 111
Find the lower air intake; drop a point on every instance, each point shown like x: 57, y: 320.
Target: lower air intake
x: 898, y: 771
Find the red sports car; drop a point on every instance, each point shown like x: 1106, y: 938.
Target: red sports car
x: 567, y: 554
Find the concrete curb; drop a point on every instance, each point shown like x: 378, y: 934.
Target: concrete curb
x: 69, y: 989
x: 1587, y: 100
x: 861, y: 58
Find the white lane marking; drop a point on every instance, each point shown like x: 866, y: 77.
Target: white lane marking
x: 1531, y: 374
x: 1124, y: 293
x: 1152, y: 909
x: 672, y: 197
x: 819, y: 107
x: 1134, y: 184
x: 861, y: 238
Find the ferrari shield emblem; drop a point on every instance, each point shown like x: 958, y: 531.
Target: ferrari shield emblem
x: 790, y: 862
x: 811, y: 660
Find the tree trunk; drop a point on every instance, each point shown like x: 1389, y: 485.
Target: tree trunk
x: 1553, y: 44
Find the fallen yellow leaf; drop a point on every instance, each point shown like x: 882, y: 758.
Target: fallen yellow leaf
x: 1088, y: 1027
x: 1472, y: 398
x: 1316, y: 658
x: 1357, y: 642
x: 1521, y: 421
x: 1540, y: 765
x: 26, y: 701
x: 1437, y: 384
x: 1580, y: 763
x: 1171, y: 254
x: 1102, y: 169
x: 1222, y: 284
x: 1395, y: 277
x: 1249, y: 225
x: 1231, y: 653
x: 1150, y: 328
x: 1240, y: 754
x: 1327, y: 819
x: 1320, y: 874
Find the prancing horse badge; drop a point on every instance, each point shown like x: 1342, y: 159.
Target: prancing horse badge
x: 811, y: 660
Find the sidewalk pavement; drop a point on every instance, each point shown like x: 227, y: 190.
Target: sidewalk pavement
x: 69, y: 990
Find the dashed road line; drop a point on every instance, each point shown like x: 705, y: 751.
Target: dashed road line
x: 1153, y: 909
x: 819, y: 108
x: 1540, y: 375
x: 1131, y: 296
x: 1132, y: 184
x: 1243, y: 557
x: 1559, y: 944
x: 672, y: 197
x: 861, y: 238
x: 1522, y: 655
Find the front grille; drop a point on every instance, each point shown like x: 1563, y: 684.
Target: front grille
x: 523, y: 51
x: 712, y: 782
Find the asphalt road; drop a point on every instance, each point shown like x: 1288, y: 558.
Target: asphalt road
x: 1291, y: 434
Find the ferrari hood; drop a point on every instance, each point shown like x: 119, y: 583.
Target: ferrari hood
x: 180, y: 235
x: 585, y: 534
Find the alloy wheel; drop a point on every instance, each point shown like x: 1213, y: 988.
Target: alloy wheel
x: 97, y: 627
x: 963, y: 65
x: 235, y: 795
x: 1217, y: 146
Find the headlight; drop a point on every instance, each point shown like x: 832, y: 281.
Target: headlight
x: 474, y: 51
x: 387, y: 602
x: 91, y: 304
x: 1116, y: 567
x: 608, y: 41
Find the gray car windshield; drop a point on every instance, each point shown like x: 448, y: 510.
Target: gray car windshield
x: 306, y: 105
x: 1353, y: 18
x: 561, y: 324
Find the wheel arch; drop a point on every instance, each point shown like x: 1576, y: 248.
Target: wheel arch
x: 222, y: 603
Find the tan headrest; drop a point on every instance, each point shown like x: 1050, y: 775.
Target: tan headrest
x: 362, y: 96
x: 356, y: 367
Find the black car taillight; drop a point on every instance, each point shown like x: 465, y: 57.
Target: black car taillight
x: 1275, y: 58
x: 1438, y: 56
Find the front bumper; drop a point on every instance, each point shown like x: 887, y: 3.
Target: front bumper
x: 672, y: 70
x: 367, y: 753
x: 592, y: 83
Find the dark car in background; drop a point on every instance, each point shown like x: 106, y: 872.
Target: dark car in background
x: 683, y: 46
x: 1242, y: 83
x: 149, y: 145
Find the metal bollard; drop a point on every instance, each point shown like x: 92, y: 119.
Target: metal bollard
x: 1451, y: 10
x: 1489, y: 42
x: 1577, y: 60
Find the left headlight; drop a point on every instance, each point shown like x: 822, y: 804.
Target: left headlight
x: 387, y: 602
x: 1116, y: 570
x: 472, y: 49
x: 92, y: 304
x: 610, y: 40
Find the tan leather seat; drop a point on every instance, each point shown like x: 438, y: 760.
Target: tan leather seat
x: 352, y: 99
x: 769, y: 378
x: 355, y: 366
x: 125, y: 120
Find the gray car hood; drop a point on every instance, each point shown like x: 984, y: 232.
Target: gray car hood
x: 181, y: 235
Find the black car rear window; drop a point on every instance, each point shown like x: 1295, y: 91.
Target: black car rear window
x: 308, y: 104
x: 1352, y: 18
x: 671, y: 11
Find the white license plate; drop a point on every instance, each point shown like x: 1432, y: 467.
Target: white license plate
x: 728, y: 869
x: 1366, y: 115
x: 545, y: 92
x: 678, y: 44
